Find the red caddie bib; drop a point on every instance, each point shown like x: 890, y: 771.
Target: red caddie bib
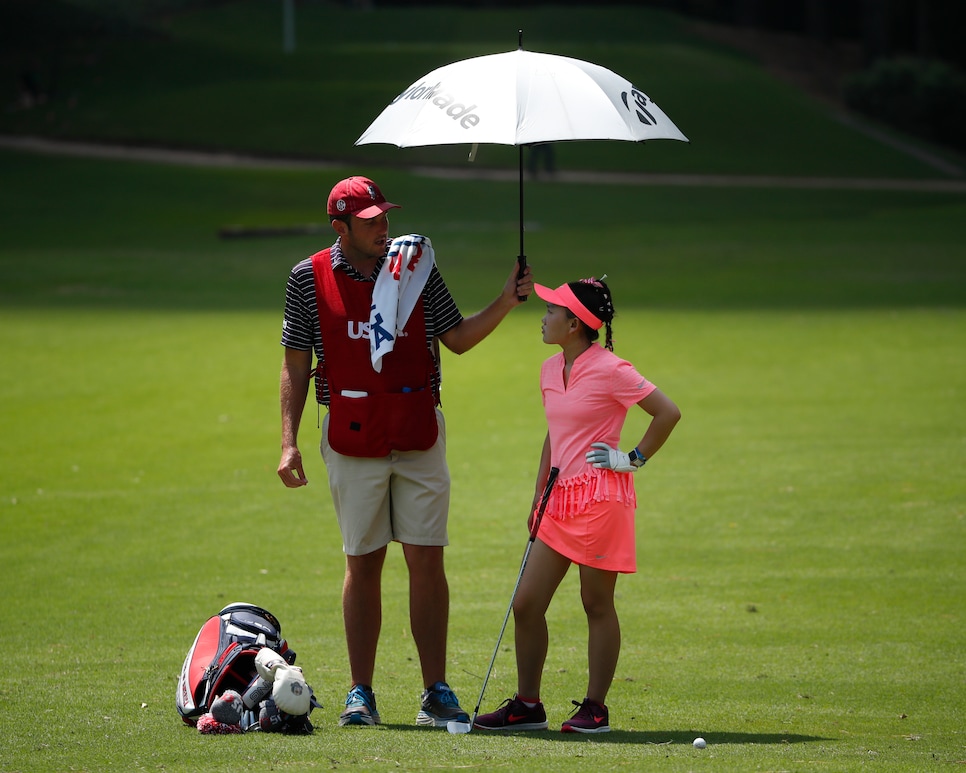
x: 372, y: 414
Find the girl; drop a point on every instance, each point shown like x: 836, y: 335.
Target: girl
x: 589, y: 521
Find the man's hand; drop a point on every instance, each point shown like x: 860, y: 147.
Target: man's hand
x: 293, y: 389
x: 519, y: 286
x: 290, y: 468
x: 603, y: 457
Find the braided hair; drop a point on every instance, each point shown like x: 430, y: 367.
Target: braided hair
x: 595, y: 295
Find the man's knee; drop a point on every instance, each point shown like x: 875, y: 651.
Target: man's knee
x: 366, y: 567
x: 425, y: 563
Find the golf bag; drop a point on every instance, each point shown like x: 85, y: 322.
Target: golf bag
x: 223, y: 658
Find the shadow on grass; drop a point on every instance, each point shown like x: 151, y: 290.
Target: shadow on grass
x: 653, y: 737
x: 662, y: 737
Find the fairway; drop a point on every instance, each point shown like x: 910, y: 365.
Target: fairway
x: 800, y: 595
x: 800, y: 598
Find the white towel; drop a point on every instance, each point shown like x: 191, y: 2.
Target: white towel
x: 398, y: 288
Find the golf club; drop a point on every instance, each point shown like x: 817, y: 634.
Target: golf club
x: 551, y: 479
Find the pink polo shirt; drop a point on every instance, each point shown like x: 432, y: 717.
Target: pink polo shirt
x: 590, y: 408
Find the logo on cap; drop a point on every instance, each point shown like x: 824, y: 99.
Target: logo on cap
x: 358, y: 196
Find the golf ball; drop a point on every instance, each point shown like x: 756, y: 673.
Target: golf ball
x: 699, y: 743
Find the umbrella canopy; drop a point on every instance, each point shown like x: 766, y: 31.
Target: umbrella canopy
x: 519, y: 98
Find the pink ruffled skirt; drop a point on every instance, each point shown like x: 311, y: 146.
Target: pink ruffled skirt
x: 590, y: 520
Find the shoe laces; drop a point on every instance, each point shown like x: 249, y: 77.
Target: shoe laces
x: 506, y: 707
x: 584, y: 708
x: 444, y: 694
x: 360, y: 694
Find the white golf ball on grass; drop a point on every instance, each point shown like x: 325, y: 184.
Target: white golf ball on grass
x: 699, y: 743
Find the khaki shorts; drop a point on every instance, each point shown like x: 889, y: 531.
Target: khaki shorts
x: 403, y: 496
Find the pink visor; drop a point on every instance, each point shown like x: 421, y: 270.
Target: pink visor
x: 564, y: 296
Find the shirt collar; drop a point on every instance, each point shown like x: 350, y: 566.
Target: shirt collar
x: 339, y: 262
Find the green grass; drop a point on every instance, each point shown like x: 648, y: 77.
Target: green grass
x: 800, y: 597
x: 813, y: 341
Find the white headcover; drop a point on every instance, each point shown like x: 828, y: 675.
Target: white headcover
x: 267, y: 662
x: 290, y: 692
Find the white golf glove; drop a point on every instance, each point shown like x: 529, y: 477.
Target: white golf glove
x: 603, y: 457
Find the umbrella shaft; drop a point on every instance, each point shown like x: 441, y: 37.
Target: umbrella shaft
x: 523, y: 255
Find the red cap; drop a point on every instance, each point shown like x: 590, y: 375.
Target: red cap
x: 564, y: 296
x: 358, y: 196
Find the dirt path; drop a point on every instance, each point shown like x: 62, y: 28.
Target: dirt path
x: 232, y: 160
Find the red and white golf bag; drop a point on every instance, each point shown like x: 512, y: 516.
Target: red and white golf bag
x: 223, y: 658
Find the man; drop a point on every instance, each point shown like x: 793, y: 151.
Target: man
x: 383, y: 437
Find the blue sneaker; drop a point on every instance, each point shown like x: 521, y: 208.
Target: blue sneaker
x: 439, y: 706
x: 360, y: 707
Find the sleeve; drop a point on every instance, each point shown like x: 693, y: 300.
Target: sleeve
x: 628, y: 386
x: 299, y: 319
x: 443, y: 309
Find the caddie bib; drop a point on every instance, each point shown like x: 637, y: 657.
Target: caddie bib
x: 372, y: 414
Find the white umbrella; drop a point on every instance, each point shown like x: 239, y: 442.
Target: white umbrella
x: 519, y: 98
